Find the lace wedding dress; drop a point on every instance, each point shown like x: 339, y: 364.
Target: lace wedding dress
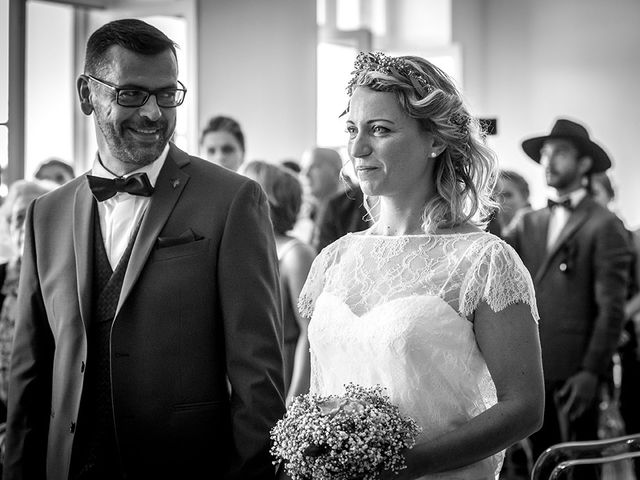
x: 398, y: 312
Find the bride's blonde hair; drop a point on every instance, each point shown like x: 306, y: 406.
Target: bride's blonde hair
x: 466, y: 170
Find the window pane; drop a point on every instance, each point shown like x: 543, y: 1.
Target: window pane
x: 348, y: 14
x: 4, y: 64
x: 50, y: 94
x: 4, y: 147
x: 4, y: 90
x: 335, y: 63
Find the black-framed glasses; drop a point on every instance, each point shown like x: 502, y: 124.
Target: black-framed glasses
x: 136, y: 97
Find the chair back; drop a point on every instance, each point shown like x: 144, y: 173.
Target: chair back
x: 615, y: 455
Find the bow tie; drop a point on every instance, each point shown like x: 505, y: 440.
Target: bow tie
x: 135, y: 184
x: 566, y: 203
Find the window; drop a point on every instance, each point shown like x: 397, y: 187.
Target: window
x: 50, y: 86
x: 4, y: 92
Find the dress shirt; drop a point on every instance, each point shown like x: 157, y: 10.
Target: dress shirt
x: 560, y: 215
x: 120, y: 214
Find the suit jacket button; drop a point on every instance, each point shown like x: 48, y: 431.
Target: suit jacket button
x: 563, y: 267
x: 72, y: 427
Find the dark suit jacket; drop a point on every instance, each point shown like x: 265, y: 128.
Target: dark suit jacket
x: 581, y: 285
x: 344, y: 213
x: 193, y: 312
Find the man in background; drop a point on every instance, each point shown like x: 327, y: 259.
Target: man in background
x: 579, y: 257
x: 335, y: 206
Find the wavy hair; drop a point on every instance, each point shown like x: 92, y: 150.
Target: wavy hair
x: 466, y: 171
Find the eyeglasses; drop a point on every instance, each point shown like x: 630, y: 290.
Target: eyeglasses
x: 137, y: 97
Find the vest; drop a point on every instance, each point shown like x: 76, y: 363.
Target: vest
x: 95, y: 449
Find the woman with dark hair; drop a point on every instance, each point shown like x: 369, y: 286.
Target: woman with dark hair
x: 285, y: 197
x: 222, y: 142
x: 55, y: 170
x: 512, y: 194
x: 425, y: 303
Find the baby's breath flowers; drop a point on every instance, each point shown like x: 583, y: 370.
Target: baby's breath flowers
x: 357, y: 435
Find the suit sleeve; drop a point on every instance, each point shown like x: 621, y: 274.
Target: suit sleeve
x: 30, y: 374
x: 325, y: 230
x: 512, y: 236
x: 612, y: 261
x: 251, y: 309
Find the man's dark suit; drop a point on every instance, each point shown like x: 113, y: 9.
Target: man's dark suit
x: 196, y: 359
x: 344, y: 213
x: 581, y: 286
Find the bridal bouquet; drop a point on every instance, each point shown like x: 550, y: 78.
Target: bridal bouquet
x: 357, y: 435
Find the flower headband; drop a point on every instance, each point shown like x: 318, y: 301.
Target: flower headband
x: 396, y: 66
x: 399, y: 67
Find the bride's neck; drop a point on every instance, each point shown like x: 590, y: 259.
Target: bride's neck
x: 397, y: 219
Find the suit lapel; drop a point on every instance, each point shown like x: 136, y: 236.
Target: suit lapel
x: 541, y: 233
x: 169, y: 185
x: 576, y: 219
x: 83, y: 246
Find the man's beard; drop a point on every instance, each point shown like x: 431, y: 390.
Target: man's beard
x: 126, y: 149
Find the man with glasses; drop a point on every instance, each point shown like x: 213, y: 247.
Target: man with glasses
x: 148, y: 340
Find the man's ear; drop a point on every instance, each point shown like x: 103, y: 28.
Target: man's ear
x: 84, y: 94
x: 584, y: 164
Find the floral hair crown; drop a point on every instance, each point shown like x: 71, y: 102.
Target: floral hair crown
x: 399, y: 67
x: 395, y: 66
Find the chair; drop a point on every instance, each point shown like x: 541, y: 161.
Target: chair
x: 614, y: 454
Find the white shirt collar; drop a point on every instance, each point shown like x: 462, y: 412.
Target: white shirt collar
x: 152, y: 170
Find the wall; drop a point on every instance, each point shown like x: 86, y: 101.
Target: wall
x: 258, y: 65
x: 547, y: 58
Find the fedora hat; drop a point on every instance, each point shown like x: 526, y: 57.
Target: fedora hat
x: 578, y: 135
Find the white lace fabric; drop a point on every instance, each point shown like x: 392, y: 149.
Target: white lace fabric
x: 398, y: 312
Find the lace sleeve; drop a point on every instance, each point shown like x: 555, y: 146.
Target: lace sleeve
x: 314, y: 284
x: 498, y: 277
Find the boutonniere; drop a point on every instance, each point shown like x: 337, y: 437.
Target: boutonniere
x: 568, y: 254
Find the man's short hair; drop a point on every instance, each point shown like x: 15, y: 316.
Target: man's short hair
x: 518, y: 181
x: 132, y: 34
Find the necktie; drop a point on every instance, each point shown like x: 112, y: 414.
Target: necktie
x: 135, y: 184
x: 566, y: 203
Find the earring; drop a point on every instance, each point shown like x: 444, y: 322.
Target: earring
x: 434, y: 154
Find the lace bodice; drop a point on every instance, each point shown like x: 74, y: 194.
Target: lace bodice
x: 462, y: 269
x: 398, y: 312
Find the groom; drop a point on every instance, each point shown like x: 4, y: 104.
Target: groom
x: 148, y: 340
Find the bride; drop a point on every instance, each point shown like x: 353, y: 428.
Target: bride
x: 425, y: 303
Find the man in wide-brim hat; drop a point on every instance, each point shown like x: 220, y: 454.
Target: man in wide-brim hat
x: 579, y: 256
x: 576, y: 134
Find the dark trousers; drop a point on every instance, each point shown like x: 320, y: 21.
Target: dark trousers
x: 630, y: 387
x: 584, y: 428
